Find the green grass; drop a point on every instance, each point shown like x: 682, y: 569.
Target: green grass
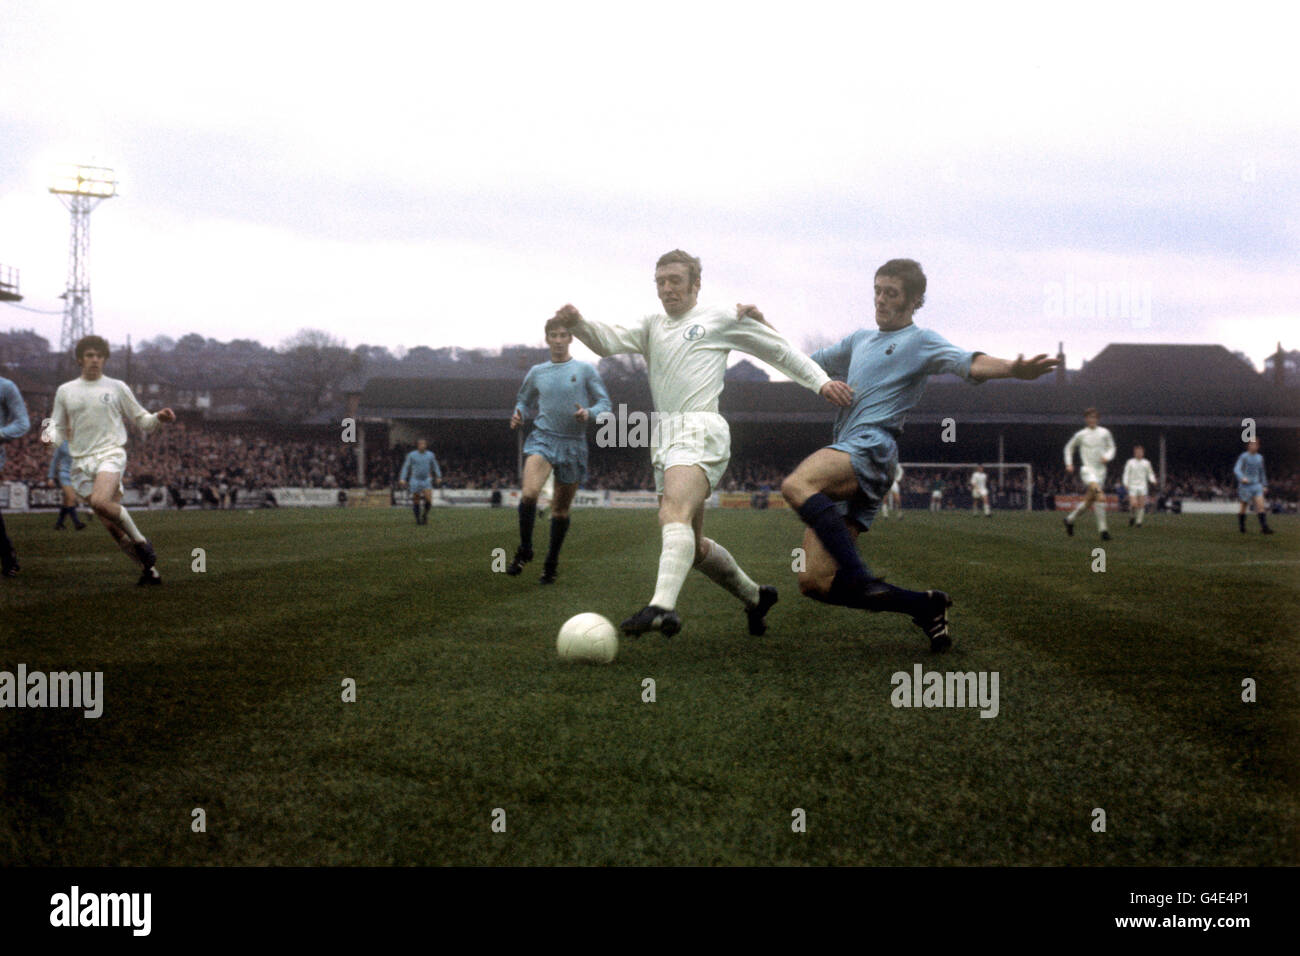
x: 1119, y: 690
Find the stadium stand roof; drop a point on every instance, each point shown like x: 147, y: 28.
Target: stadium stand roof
x: 1170, y: 385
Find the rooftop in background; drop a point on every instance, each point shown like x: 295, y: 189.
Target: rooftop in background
x: 1185, y: 385
x: 1168, y: 365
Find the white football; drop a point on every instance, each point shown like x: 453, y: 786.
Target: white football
x: 589, y: 638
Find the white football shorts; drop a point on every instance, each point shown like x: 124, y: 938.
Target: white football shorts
x: 691, y: 438
x: 85, y: 469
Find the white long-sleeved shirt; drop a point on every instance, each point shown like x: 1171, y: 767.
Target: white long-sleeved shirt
x: 92, y: 415
x: 979, y: 482
x: 687, y: 356
x: 1138, y: 473
x: 1096, y: 448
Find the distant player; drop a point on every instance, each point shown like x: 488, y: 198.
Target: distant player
x: 894, y: 497
x: 90, y: 413
x: 979, y: 491
x: 561, y: 396
x: 420, y: 469
x: 1137, y: 480
x: 1251, y: 485
x: 13, y: 425
x: 686, y: 348
x: 1096, y: 449
x: 837, y: 490
x: 936, y: 495
x: 60, y: 468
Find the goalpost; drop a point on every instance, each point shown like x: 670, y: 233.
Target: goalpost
x: 1010, y: 484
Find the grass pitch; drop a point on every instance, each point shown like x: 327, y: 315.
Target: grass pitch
x: 1118, y: 690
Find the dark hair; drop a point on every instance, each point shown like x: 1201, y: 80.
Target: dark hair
x: 96, y: 342
x: 909, y: 270
x: 555, y: 322
x: 677, y: 255
x: 1091, y: 411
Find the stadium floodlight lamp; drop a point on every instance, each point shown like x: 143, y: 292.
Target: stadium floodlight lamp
x: 92, y: 181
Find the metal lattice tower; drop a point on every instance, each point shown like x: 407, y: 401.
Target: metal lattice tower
x: 81, y: 189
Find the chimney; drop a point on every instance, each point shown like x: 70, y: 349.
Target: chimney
x: 1060, y: 369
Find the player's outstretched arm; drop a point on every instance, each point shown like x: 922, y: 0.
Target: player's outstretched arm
x: 984, y: 367
x: 600, y: 338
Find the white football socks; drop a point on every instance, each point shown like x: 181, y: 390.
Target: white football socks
x: 721, y: 568
x: 127, y: 525
x: 675, y: 562
x: 1099, y: 509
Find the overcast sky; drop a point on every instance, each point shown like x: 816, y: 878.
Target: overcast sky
x: 409, y: 174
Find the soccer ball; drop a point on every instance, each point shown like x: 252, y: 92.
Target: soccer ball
x: 589, y: 638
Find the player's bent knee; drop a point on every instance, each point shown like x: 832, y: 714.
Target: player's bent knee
x: 815, y: 586
x: 794, y: 492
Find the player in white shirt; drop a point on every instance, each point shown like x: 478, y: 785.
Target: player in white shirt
x: 1096, y: 449
x: 894, y: 496
x: 686, y: 348
x: 979, y: 491
x: 1137, y: 478
x: 90, y: 412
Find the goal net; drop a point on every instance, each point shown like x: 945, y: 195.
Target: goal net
x: 1010, y: 485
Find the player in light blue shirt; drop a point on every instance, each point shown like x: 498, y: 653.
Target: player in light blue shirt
x: 563, y: 396
x: 61, y: 472
x: 887, y: 369
x: 1251, y: 485
x: 13, y: 425
x: 419, y: 469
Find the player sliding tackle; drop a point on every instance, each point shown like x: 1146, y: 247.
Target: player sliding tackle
x: 686, y: 350
x: 838, y: 489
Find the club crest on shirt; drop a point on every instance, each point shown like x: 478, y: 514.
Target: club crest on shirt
x: 693, y: 333
x: 572, y: 379
x: 890, y: 350
x: 105, y: 398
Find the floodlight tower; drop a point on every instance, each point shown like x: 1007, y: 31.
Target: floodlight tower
x: 81, y: 189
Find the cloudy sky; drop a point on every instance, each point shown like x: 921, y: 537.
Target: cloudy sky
x: 449, y: 174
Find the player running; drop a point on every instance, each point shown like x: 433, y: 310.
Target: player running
x: 561, y: 396
x: 686, y: 348
x: 90, y: 412
x: 13, y: 425
x: 60, y: 467
x: 1137, y: 479
x: 979, y: 491
x: 1096, y: 449
x: 1251, y: 485
x: 419, y: 468
x: 837, y: 489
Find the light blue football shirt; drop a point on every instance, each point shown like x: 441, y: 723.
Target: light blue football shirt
x: 420, y: 466
x: 887, y: 372
x: 555, y: 389
x: 1249, y: 469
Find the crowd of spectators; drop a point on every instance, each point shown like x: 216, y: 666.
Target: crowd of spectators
x: 215, y: 466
